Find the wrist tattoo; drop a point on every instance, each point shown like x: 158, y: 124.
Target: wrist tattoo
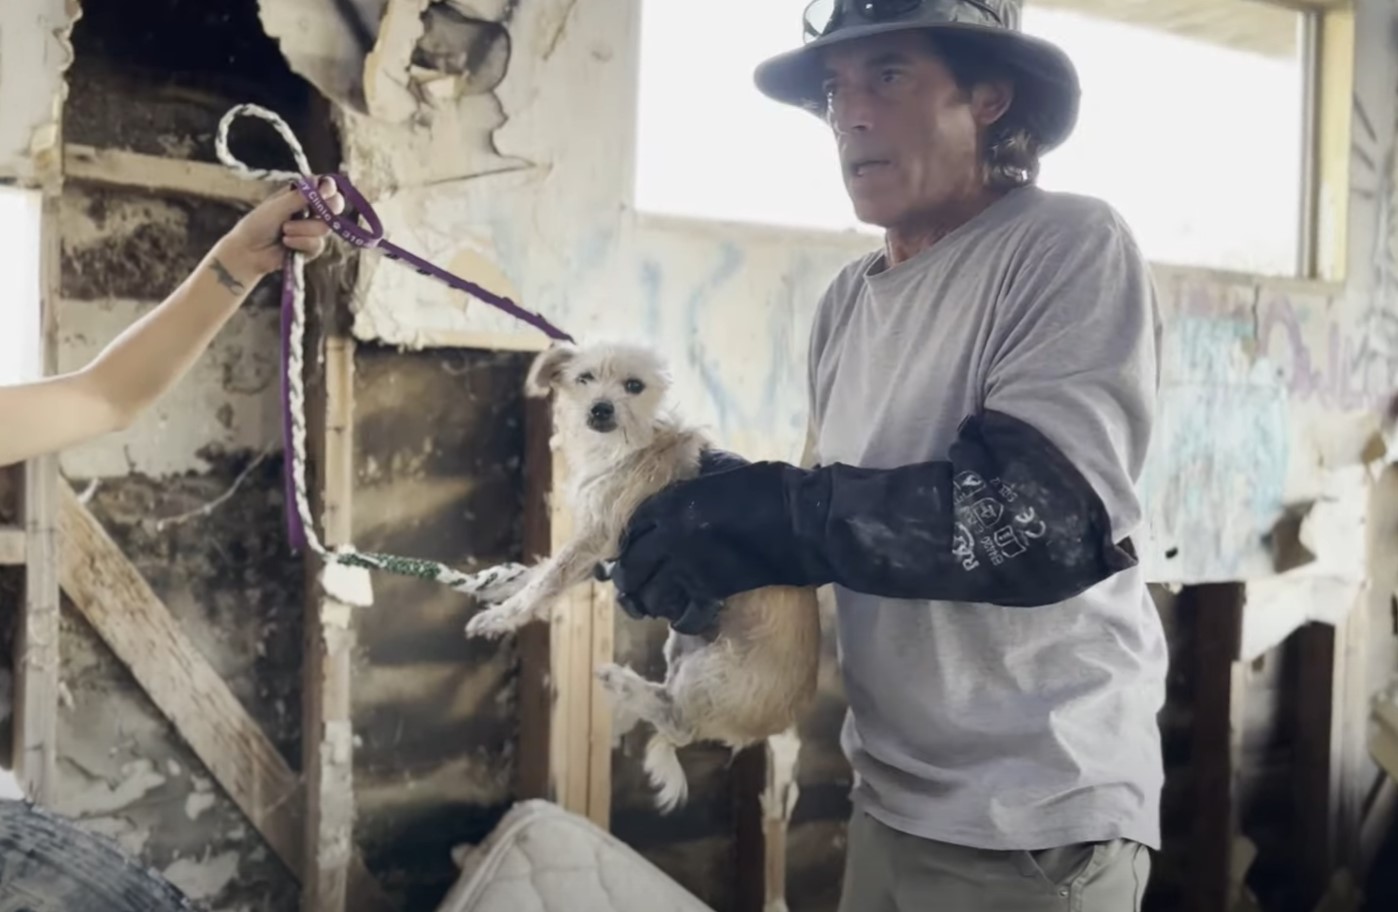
x: 225, y: 278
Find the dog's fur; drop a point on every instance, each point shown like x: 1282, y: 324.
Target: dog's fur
x: 738, y: 684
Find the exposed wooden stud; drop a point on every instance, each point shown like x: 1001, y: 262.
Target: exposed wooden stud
x: 1319, y: 764
x: 1216, y: 745
x: 37, y: 653
x: 327, y: 727
x: 747, y: 779
x: 565, y: 719
x: 764, y: 791
x: 153, y: 173
x: 130, y: 618
x: 1335, y: 98
x: 14, y: 546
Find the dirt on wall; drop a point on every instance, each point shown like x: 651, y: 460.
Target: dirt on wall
x: 209, y: 537
x: 439, y: 446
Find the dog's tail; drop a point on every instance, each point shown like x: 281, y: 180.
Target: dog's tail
x: 666, y: 773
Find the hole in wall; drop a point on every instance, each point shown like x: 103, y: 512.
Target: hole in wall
x: 474, y: 50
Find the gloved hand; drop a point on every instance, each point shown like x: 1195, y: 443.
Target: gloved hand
x: 697, y: 542
x: 689, y: 618
x: 1006, y: 519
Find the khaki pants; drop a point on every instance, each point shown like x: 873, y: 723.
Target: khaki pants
x: 889, y: 871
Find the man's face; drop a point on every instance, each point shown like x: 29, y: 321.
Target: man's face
x: 907, y: 133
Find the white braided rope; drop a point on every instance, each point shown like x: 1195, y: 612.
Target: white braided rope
x: 472, y: 584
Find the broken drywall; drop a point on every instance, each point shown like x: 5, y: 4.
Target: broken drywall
x: 35, y: 53
x: 325, y: 41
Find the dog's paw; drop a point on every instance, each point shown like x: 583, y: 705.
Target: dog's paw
x: 615, y: 679
x: 498, y: 584
x: 492, y: 624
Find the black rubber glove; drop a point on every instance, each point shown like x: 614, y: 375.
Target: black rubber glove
x: 1005, y: 520
x: 691, y: 618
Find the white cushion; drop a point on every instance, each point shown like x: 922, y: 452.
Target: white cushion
x: 540, y: 858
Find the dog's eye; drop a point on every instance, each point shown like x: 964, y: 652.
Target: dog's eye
x: 634, y: 386
x: 586, y: 377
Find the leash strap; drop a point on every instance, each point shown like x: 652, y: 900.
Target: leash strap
x: 300, y: 528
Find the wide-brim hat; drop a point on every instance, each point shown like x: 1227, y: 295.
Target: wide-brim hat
x: 1046, y: 80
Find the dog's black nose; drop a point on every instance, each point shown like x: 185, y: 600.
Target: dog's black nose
x: 603, y: 410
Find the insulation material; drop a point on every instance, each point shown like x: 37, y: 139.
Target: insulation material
x: 35, y: 53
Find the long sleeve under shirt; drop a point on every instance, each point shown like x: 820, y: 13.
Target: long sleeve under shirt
x: 994, y: 727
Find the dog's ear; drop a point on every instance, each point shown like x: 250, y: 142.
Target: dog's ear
x: 547, y: 369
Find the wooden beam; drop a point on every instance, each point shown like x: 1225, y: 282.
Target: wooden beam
x: 1216, y: 745
x: 37, y: 653
x: 130, y: 618
x: 153, y: 173
x: 14, y: 546
x: 1318, y: 762
x: 565, y: 749
x: 764, y: 793
x: 327, y: 727
x: 1333, y: 149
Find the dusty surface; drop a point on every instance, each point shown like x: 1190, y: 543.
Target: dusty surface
x: 438, y: 466
x: 192, y: 493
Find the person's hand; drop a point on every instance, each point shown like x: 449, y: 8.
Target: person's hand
x: 255, y: 246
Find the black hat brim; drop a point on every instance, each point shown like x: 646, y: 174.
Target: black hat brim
x: 1046, y: 79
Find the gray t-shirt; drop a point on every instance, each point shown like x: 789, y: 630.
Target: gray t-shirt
x: 994, y: 727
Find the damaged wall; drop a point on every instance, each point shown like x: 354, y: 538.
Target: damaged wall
x: 191, y: 492
x: 495, y: 137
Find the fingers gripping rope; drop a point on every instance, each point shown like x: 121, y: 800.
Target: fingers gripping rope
x: 302, y: 528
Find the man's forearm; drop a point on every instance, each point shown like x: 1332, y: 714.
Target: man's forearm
x: 1006, y: 519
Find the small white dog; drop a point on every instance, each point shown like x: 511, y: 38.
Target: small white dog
x: 744, y: 681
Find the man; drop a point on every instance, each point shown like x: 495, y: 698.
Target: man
x: 982, y: 396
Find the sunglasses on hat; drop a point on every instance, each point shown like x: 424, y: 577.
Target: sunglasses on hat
x: 822, y: 16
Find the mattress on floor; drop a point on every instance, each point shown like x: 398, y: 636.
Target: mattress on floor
x: 541, y: 858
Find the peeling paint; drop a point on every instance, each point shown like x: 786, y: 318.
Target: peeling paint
x: 388, y: 95
x: 99, y: 798
x: 36, y: 52
x: 206, y: 878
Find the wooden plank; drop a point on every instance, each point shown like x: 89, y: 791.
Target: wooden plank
x: 14, y: 547
x: 1318, y: 764
x: 565, y: 719
x: 127, y: 614
x: 130, y: 618
x: 327, y: 729
x: 1216, y: 744
x: 117, y: 168
x: 1333, y: 147
x: 37, y: 652
x: 764, y: 795
x: 747, y: 780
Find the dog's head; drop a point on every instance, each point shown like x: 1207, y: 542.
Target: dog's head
x: 608, y: 394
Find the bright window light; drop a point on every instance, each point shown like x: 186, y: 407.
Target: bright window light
x: 19, y: 285
x: 1197, y: 144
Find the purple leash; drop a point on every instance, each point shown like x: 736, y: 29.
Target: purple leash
x: 345, y: 564
x: 370, y: 238
x: 373, y: 239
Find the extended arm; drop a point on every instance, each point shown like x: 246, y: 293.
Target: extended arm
x: 155, y: 352
x: 1032, y: 504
